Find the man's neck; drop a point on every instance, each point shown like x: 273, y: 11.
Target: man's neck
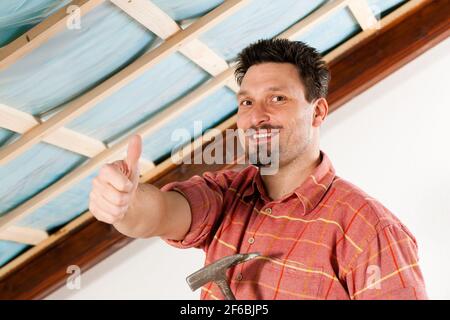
x: 291, y: 176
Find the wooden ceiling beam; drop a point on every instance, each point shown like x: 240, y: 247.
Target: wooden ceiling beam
x: 363, y: 14
x: 161, y: 24
x: 24, y: 235
x: 20, y: 122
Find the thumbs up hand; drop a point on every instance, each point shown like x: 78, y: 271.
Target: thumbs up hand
x: 114, y: 188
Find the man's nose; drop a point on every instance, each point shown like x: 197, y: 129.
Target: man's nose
x: 259, y: 115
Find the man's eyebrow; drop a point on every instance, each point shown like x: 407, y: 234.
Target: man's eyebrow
x: 242, y: 93
x: 245, y: 92
x: 276, y: 89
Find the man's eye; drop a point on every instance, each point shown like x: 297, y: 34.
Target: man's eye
x: 278, y: 98
x: 246, y: 103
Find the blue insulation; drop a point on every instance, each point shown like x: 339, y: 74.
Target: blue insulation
x: 18, y: 16
x: 252, y: 23
x: 9, y: 250
x: 156, y: 89
x: 74, y: 61
x: 6, y: 135
x: 32, y: 171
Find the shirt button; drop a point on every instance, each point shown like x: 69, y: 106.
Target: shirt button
x: 269, y: 210
x: 239, y: 277
x: 251, y: 240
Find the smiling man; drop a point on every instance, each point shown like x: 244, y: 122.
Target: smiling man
x: 320, y: 236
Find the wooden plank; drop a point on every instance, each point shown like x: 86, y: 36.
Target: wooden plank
x: 20, y: 122
x: 150, y: 16
x: 386, y: 51
x: 29, y: 277
x: 76, y: 142
x: 313, y: 19
x: 16, y: 120
x: 46, y: 244
x: 68, y: 139
x: 161, y: 24
x: 362, y: 36
x: 42, y: 32
x: 85, y: 102
x: 363, y: 14
x: 23, y: 235
x: 204, y: 57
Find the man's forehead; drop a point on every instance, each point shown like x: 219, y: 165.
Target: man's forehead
x: 271, y: 77
x: 269, y: 88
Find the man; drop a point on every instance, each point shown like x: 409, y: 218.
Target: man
x: 320, y: 236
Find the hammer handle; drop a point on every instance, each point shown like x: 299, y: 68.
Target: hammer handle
x: 225, y: 288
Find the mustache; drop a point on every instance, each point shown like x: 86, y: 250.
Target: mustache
x: 265, y: 127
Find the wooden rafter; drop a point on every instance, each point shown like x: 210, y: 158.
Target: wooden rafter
x: 68, y: 139
x: 400, y: 40
x: 314, y: 19
x: 363, y: 14
x: 24, y: 235
x: 20, y: 122
x: 161, y: 24
x: 87, y: 101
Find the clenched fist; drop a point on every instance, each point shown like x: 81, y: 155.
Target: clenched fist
x: 114, y: 188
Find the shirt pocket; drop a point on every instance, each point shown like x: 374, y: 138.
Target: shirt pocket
x: 295, y: 281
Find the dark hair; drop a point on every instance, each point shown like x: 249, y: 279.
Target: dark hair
x: 312, y: 69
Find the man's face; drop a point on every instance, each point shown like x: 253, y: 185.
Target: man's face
x: 272, y: 96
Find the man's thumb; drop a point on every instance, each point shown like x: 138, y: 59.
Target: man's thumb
x: 134, y: 153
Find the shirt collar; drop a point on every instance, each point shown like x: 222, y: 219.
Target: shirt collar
x: 310, y: 192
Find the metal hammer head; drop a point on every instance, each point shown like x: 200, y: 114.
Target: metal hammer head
x: 216, y: 271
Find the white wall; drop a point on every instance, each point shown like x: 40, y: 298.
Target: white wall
x: 392, y: 141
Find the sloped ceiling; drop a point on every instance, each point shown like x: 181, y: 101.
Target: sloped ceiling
x: 72, y: 64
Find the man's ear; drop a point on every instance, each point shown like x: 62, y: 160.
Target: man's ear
x: 320, y: 111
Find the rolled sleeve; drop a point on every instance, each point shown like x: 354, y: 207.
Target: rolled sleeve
x: 388, y: 269
x: 205, y: 197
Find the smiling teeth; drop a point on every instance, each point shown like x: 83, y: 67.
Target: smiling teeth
x: 261, y: 135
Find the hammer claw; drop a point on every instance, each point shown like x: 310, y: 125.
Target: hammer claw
x: 216, y: 272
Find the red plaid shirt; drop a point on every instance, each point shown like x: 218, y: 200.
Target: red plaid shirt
x: 326, y: 240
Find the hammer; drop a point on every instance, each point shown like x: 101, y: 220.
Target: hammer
x: 216, y: 272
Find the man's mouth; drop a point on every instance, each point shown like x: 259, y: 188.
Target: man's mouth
x: 263, y: 136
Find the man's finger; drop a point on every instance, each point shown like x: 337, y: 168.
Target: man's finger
x: 108, y: 207
x: 110, y: 193
x: 134, y: 152
x: 111, y: 174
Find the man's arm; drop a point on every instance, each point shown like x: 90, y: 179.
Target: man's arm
x: 388, y: 268
x: 153, y: 212
x: 136, y: 209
